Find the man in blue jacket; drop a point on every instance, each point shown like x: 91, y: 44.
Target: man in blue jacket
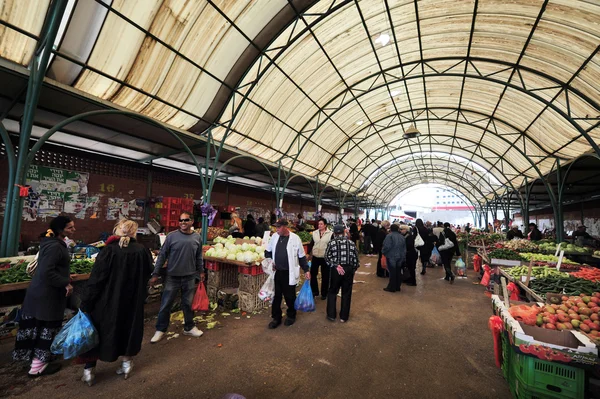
x: 394, y: 249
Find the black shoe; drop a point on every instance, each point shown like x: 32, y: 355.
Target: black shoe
x: 288, y: 322
x: 452, y: 280
x: 323, y: 297
x: 274, y: 324
x: 423, y: 272
x: 412, y: 284
x: 388, y: 289
x: 50, y: 369
x: 446, y: 278
x: 330, y: 318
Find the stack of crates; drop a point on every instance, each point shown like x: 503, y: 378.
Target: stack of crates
x: 533, y: 378
x: 170, y: 210
x: 220, y: 275
x: 251, y: 280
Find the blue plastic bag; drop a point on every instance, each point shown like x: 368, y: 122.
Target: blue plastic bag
x: 76, y: 337
x: 305, y: 301
x: 435, y: 258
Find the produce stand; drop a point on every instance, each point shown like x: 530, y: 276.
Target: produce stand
x: 25, y: 284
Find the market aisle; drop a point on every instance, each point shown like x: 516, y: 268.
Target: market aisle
x: 429, y: 341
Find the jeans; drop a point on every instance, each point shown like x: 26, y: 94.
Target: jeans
x: 314, y: 271
x: 345, y: 283
x: 283, y: 289
x: 173, y: 285
x: 394, y: 266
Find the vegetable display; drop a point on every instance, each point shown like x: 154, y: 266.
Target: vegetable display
x: 226, y: 248
x: 522, y: 246
x: 537, y: 272
x: 545, y: 258
x: 305, y: 236
x: 588, y: 273
x: 508, y: 254
x: 15, y: 274
x: 565, y: 285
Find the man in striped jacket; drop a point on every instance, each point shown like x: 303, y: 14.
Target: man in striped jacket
x: 342, y: 258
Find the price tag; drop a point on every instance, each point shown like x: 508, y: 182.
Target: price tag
x: 557, y: 249
x: 529, y: 270
x: 560, y: 258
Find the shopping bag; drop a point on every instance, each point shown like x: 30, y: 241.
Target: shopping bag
x: 267, y: 266
x: 461, y: 267
x: 268, y: 289
x: 383, y: 262
x: 435, y: 257
x: 305, y: 301
x: 76, y: 337
x: 201, y: 302
x: 487, y: 275
x: 419, y: 241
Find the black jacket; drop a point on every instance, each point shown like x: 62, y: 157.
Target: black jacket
x: 46, y: 296
x: 250, y: 228
x: 450, y: 234
x: 378, y: 243
x: 115, y: 297
x: 535, y: 235
x: 514, y: 234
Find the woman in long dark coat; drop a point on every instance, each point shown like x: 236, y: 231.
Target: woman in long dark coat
x: 425, y: 250
x: 115, y: 297
x: 45, y: 301
x: 378, y: 245
x: 411, y: 255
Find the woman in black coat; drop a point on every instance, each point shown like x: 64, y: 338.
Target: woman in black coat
x: 411, y: 254
x: 115, y: 297
x: 378, y: 245
x: 448, y: 254
x: 425, y: 250
x: 45, y: 301
x: 250, y: 226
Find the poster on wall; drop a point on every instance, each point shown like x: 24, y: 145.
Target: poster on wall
x: 52, y: 191
x: 117, y: 209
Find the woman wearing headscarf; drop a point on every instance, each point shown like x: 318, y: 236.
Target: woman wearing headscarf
x: 114, y: 299
x: 426, y: 248
x: 46, y: 299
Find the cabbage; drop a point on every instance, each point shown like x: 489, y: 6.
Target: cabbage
x: 259, y: 249
x: 210, y: 252
x: 229, y: 236
x: 249, y: 257
x: 231, y: 256
x: 239, y: 256
x: 219, y: 246
x: 245, y: 247
x: 246, y: 238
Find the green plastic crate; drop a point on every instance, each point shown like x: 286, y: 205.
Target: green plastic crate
x: 506, y: 354
x: 537, y: 379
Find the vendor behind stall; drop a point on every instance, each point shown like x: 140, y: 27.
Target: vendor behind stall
x: 514, y: 232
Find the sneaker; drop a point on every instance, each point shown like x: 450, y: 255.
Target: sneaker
x: 157, y: 337
x: 452, y: 280
x: 342, y: 321
x: 194, y: 332
x: 288, y: 322
x: 330, y: 318
x: 274, y: 324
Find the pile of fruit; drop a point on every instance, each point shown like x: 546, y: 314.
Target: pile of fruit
x: 522, y: 246
x: 581, y: 313
x: 550, y: 248
x: 507, y: 254
x: 588, y: 273
x: 214, y: 232
x: 537, y: 272
x: 597, y: 253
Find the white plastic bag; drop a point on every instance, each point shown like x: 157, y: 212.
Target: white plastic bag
x: 419, y: 241
x: 267, y: 291
x: 267, y: 266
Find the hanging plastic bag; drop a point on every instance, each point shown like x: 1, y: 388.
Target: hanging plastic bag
x: 485, y: 280
x: 305, y: 301
x: 383, y: 262
x: 201, y: 302
x: 496, y: 326
x: 268, y: 289
x: 513, y: 290
x: 477, y: 260
x: 435, y: 257
x: 76, y: 337
x: 461, y: 268
x: 267, y: 266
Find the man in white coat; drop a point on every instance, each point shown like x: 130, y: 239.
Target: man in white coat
x: 285, y: 248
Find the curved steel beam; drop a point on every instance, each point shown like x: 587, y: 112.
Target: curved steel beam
x: 237, y: 157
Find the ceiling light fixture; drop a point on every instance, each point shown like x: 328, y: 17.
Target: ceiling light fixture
x: 412, y: 132
x: 360, y: 122
x: 383, y: 39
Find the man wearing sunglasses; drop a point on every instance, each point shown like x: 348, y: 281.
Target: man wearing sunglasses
x: 183, y: 250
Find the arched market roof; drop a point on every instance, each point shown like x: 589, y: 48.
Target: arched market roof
x: 498, y: 91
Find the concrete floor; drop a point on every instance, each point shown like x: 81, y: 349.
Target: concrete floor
x: 429, y: 341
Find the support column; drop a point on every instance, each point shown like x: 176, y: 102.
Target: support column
x: 558, y: 214
x: 148, y: 195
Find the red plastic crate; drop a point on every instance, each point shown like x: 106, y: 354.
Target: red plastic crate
x: 212, y: 265
x: 253, y: 270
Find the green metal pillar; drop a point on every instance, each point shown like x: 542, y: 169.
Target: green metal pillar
x: 38, y: 69
x: 558, y: 213
x: 12, y: 166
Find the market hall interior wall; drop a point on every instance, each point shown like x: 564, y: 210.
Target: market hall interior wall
x: 587, y: 213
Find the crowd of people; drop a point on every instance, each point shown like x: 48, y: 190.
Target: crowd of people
x: 117, y: 288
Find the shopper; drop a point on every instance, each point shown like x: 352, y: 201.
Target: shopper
x: 342, y: 258
x: 411, y: 254
x: 236, y: 229
x: 366, y: 232
x: 301, y: 224
x: 261, y: 227
x: 317, y: 247
x: 381, y: 234
x: 374, y: 231
x: 534, y: 233
x: 45, y: 301
x: 114, y: 299
x: 394, y: 250
x: 250, y: 226
x: 427, y: 247
x: 447, y: 254
x: 514, y: 232
x: 183, y: 250
x: 285, y: 248
x: 354, y: 233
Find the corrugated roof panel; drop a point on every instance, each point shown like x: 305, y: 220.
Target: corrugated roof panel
x: 29, y: 16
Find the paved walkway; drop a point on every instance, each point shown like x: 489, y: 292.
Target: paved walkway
x: 429, y: 341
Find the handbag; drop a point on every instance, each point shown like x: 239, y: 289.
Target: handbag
x: 447, y: 243
x: 419, y: 241
x: 32, y: 266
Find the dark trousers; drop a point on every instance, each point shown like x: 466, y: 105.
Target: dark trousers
x: 447, y: 262
x: 411, y: 266
x: 345, y: 283
x: 314, y: 271
x: 172, y: 286
x: 367, y: 245
x: 395, y: 269
x: 283, y: 289
x: 381, y: 272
